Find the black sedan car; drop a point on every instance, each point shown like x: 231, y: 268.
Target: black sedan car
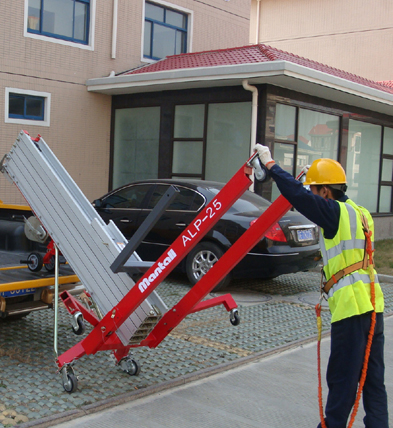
x: 291, y: 245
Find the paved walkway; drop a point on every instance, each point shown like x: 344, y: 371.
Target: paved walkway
x: 275, y: 392
x: 275, y: 315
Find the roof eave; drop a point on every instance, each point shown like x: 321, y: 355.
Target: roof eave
x: 279, y: 73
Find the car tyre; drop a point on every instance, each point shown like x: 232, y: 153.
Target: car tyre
x: 201, y: 259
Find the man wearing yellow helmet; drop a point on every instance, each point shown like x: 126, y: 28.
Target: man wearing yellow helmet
x: 347, y: 286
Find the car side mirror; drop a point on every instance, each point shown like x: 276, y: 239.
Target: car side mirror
x: 97, y: 203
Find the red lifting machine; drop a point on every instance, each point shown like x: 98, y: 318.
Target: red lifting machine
x: 127, y: 314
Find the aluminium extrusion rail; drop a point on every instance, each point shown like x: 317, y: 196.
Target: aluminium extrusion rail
x: 88, y: 244
x: 107, y: 331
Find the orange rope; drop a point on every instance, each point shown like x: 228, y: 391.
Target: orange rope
x: 372, y: 327
x: 320, y: 401
x: 368, y: 346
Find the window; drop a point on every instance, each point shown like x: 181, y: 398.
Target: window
x: 211, y: 141
x: 188, y: 141
x: 185, y: 200
x: 227, y: 139
x: 136, y: 144
x: 61, y: 19
x: 385, y: 196
x: 317, y: 137
x: 165, y: 31
x: 315, y: 134
x: 27, y: 107
x: 363, y: 159
x: 131, y: 197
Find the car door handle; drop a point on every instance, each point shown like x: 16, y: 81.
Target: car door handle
x: 125, y: 220
x: 181, y: 224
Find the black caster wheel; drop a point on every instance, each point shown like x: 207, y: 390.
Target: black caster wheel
x: 71, y: 384
x: 35, y: 262
x: 50, y: 267
x: 81, y: 325
x: 235, y: 318
x: 130, y: 366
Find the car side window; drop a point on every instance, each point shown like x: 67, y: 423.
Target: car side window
x: 185, y: 200
x: 128, y: 197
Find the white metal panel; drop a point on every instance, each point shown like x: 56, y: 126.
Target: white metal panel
x: 89, y: 245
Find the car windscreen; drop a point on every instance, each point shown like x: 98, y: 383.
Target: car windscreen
x: 247, y: 202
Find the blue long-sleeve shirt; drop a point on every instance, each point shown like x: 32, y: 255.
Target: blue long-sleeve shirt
x: 323, y: 212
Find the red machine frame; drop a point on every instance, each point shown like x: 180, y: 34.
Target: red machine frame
x: 104, y: 337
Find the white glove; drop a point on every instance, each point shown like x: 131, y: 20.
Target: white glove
x: 263, y: 153
x: 305, y: 169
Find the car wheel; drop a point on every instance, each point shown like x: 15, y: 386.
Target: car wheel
x: 201, y: 259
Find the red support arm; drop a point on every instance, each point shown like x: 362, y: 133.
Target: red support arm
x: 96, y: 339
x: 220, y: 269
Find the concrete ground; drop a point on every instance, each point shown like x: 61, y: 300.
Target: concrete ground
x: 273, y: 392
x: 275, y: 338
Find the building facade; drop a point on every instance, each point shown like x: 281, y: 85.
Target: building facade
x: 126, y: 90
x: 49, y: 49
x: 191, y: 115
x: 355, y: 35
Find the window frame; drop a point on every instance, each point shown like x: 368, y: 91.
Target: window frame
x: 88, y: 45
x: 46, y: 96
x: 175, y: 8
x: 384, y: 183
x: 344, y: 117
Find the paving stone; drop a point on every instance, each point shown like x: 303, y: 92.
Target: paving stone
x: 202, y: 340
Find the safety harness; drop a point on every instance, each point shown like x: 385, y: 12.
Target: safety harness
x: 346, y: 271
x: 367, y: 262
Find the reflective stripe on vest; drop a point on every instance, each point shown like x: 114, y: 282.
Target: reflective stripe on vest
x: 351, y: 294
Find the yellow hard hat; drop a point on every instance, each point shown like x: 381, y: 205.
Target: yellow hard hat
x: 325, y: 171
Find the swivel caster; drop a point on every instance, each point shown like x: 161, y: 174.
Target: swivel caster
x: 130, y: 366
x: 234, y: 317
x: 70, y: 381
x: 78, y: 324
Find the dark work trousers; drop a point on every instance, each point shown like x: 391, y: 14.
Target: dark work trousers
x: 348, y: 344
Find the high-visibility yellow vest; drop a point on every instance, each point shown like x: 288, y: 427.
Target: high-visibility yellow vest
x: 351, y: 294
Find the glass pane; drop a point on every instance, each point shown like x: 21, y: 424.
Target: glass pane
x: 184, y: 200
x: 130, y: 197
x: 363, y: 163
x: 285, y: 122
x: 388, y: 141
x: 80, y: 24
x: 385, y: 199
x: 180, y: 42
x: 175, y: 18
x: 284, y: 155
x: 33, y: 19
x: 189, y: 121
x: 34, y: 106
x: 387, y: 170
x: 318, y: 137
x: 16, y: 105
x: 228, y: 139
x: 58, y: 17
x: 147, y: 39
x: 187, y: 157
x: 154, y: 12
x: 136, y: 144
x: 164, y: 40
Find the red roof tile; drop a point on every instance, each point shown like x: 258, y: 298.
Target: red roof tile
x: 250, y: 55
x: 388, y: 83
